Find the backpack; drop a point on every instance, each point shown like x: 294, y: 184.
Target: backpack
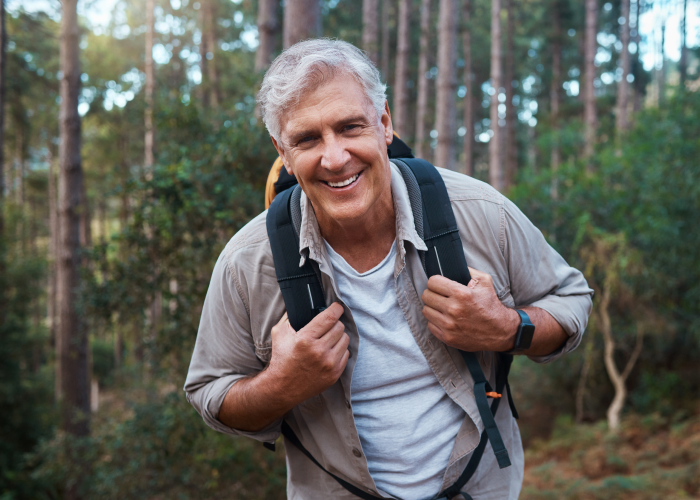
x: 436, y: 225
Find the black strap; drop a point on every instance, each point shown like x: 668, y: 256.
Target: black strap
x: 300, y: 287
x: 445, y: 256
x: 290, y: 436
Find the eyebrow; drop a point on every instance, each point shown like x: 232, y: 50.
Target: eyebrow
x: 304, y: 133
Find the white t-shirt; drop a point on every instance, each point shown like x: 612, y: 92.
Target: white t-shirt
x: 406, y: 421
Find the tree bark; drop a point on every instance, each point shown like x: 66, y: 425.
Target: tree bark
x: 73, y: 344
x: 209, y: 32
x: 370, y: 30
x: 662, y: 71
x: 554, y: 96
x: 589, y: 108
x: 403, y: 47
x: 511, y: 134
x: 302, y: 20
x: 267, y: 29
x: 149, y: 139
x: 683, y: 63
x: 618, y: 379
x: 468, y: 147
x: 422, y: 104
x: 53, y: 259
x: 496, y: 177
x: 621, y: 122
x: 386, y: 30
x: 3, y: 57
x: 638, y: 90
x: 585, y: 369
x: 445, y: 117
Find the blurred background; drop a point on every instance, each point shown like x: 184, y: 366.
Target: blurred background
x: 132, y: 151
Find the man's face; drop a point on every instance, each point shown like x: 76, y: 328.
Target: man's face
x: 335, y: 144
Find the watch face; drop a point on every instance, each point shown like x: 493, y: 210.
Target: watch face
x: 526, y: 334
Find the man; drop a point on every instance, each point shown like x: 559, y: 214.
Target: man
x: 374, y: 386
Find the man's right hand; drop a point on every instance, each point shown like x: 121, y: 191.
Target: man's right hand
x: 307, y: 362
x: 303, y: 364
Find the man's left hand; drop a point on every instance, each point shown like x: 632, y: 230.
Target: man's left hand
x: 470, y: 318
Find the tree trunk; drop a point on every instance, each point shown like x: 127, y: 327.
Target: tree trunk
x: 585, y: 369
x: 302, y: 20
x: 621, y: 122
x: 618, y: 379
x: 662, y: 71
x: 203, y: 60
x: 511, y: 134
x: 638, y: 89
x: 447, y: 84
x: 53, y: 259
x: 554, y: 96
x: 209, y: 32
x: 3, y: 45
x: 73, y: 344
x: 149, y: 139
x: 386, y: 30
x: 496, y: 177
x: 370, y: 30
x: 422, y: 104
x: 403, y: 47
x: 589, y: 109
x: 469, y: 84
x: 683, y: 63
x: 267, y: 29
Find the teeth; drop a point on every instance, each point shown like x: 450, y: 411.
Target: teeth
x: 343, y: 183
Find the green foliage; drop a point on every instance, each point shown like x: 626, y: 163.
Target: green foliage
x: 162, y: 449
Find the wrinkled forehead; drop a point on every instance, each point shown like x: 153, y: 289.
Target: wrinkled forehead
x: 334, y: 96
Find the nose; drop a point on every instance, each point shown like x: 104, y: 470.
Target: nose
x: 335, y: 155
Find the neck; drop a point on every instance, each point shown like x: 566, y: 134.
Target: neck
x: 364, y: 242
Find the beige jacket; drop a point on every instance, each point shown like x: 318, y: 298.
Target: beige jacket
x: 244, y: 303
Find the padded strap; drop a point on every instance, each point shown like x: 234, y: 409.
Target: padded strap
x: 300, y: 287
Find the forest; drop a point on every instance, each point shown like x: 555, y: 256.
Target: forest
x: 131, y: 151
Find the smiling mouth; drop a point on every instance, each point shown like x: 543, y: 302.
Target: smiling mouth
x: 344, y: 183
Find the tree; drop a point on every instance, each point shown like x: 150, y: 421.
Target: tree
x: 662, y: 71
x: 387, y: 16
x: 72, y: 337
x: 3, y: 64
x: 589, y: 109
x: 207, y: 49
x: 495, y: 168
x: 683, y: 63
x: 468, y: 146
x: 370, y: 30
x: 510, y: 135
x: 267, y: 29
x: 621, y: 122
x: 403, y: 47
x: 446, y: 84
x: 554, y: 93
x: 302, y: 20
x: 149, y: 139
x: 422, y: 105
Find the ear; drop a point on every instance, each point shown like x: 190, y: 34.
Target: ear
x: 386, y: 123
x: 280, y: 152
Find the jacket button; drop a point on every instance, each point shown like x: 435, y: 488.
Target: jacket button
x: 356, y: 452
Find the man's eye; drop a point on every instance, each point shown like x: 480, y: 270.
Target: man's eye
x: 305, y: 140
x: 350, y: 128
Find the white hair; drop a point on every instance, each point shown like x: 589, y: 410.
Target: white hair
x: 306, y: 65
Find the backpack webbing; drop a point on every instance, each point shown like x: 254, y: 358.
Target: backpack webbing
x: 436, y: 224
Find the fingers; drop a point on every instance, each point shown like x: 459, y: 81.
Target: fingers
x: 322, y: 323
x: 441, y: 285
x: 480, y: 278
x: 437, y: 318
x: 435, y: 300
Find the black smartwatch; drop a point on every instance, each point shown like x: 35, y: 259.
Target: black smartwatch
x: 526, y: 330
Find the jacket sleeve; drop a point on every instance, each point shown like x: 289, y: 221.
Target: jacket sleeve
x: 540, y: 277
x: 224, y: 353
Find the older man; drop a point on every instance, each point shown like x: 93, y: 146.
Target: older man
x: 373, y: 387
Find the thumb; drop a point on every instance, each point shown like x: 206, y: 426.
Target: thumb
x: 283, y: 326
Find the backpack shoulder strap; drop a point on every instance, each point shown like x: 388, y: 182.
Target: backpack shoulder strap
x: 300, y: 287
x: 445, y: 257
